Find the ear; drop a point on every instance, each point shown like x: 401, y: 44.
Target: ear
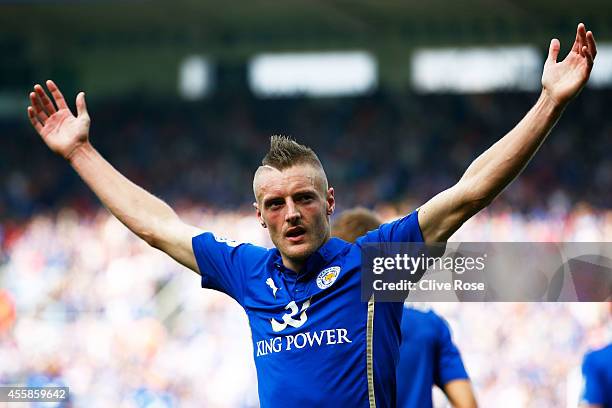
x: 331, y: 201
x: 258, y: 214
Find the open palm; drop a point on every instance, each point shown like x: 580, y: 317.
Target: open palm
x: 563, y: 80
x: 59, y: 128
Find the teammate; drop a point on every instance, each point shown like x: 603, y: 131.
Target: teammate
x: 314, y: 342
x: 597, y: 374
x: 428, y: 355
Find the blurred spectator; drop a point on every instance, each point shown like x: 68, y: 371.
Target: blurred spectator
x: 85, y: 303
x: 597, y: 374
x: 384, y: 147
x: 102, y: 312
x: 7, y: 311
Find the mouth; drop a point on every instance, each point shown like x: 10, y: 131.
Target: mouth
x: 295, y: 234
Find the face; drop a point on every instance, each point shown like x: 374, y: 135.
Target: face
x: 294, y: 205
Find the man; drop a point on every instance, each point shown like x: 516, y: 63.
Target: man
x: 597, y: 374
x: 428, y: 355
x: 314, y: 342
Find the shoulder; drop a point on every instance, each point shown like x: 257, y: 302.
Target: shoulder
x: 424, y: 315
x: 599, y: 357
x: 421, y: 311
x: 405, y: 229
x: 212, y: 249
x: 212, y: 239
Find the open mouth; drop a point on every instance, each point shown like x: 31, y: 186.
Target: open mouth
x: 295, y: 233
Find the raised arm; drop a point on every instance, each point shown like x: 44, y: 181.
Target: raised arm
x: 143, y: 213
x: 493, y: 170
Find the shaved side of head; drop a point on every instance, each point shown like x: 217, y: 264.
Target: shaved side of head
x: 260, y: 174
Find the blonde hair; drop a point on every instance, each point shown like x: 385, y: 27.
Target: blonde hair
x: 285, y: 152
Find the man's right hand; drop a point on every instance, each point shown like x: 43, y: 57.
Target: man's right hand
x: 59, y: 128
x: 143, y: 213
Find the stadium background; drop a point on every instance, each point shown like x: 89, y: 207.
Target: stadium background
x: 84, y: 303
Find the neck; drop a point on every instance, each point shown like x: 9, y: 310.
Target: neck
x: 296, y: 265
x: 293, y: 265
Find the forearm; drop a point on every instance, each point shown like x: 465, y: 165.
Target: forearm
x: 490, y: 173
x: 460, y: 394
x: 493, y: 170
x: 143, y: 213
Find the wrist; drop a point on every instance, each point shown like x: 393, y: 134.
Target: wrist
x: 79, y: 151
x: 550, y: 103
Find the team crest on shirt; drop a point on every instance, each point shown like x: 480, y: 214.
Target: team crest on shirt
x: 327, y: 277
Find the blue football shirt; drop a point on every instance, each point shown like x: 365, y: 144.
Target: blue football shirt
x: 314, y: 342
x: 428, y: 356
x: 597, y: 373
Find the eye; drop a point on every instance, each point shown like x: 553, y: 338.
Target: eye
x: 275, y: 205
x: 306, y: 198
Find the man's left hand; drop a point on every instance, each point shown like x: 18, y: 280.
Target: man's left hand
x: 561, y: 81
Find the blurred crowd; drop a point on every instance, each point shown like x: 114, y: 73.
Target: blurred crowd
x: 85, y: 303
x: 120, y: 323
x: 388, y: 147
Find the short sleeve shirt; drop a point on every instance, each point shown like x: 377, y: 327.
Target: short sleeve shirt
x: 428, y: 356
x: 314, y: 342
x: 597, y: 375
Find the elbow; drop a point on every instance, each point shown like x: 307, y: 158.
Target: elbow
x: 151, y: 234
x: 150, y: 238
x: 475, y: 205
x: 476, y: 198
x: 159, y: 232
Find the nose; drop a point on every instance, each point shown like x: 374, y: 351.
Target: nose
x: 293, y: 215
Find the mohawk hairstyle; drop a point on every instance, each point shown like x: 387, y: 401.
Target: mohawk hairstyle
x: 285, y: 152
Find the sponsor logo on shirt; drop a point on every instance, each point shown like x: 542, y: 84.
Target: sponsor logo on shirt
x: 288, y: 318
x: 302, y: 341
x: 327, y: 277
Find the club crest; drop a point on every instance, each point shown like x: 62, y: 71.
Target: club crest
x: 327, y: 277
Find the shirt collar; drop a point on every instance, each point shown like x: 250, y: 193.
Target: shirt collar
x: 317, y: 260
